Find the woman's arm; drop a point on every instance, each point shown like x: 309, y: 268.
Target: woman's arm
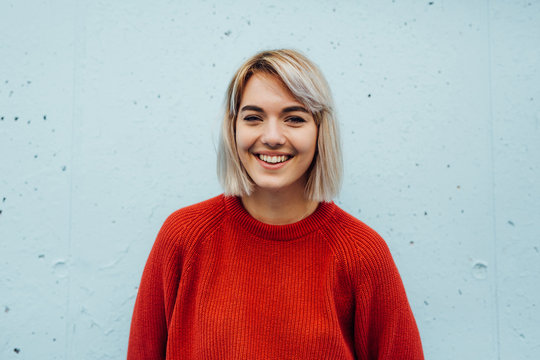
x: 156, y: 297
x: 384, y: 323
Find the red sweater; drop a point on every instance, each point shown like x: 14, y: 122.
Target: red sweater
x: 219, y: 284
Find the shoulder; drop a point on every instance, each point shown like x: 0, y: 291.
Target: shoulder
x: 362, y: 253
x: 192, y: 222
x: 197, y: 214
x: 351, y: 232
x: 357, y: 244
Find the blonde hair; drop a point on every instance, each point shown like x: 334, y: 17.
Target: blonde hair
x: 308, y: 85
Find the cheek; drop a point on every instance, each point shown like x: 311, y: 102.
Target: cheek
x: 240, y: 138
x: 312, y: 148
x: 309, y: 144
x: 243, y: 143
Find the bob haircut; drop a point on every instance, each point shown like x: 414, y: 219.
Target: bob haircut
x: 307, y: 84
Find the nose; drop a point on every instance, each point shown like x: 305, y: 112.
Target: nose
x: 272, y: 135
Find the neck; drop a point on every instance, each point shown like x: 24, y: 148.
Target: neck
x: 277, y: 208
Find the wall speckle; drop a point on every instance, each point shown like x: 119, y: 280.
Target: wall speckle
x: 60, y: 268
x: 479, y: 271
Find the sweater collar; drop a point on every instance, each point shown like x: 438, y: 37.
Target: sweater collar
x: 313, y: 222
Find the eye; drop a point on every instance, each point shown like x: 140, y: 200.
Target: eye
x: 296, y: 120
x: 251, y: 118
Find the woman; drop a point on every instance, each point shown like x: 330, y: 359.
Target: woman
x: 273, y: 269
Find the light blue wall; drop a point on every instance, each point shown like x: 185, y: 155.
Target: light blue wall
x: 109, y: 114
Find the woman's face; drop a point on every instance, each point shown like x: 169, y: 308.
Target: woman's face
x: 276, y: 136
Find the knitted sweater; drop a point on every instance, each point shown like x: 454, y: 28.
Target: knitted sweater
x: 219, y: 284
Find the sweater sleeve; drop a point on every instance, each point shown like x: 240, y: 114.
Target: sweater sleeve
x: 384, y: 326
x: 156, y: 297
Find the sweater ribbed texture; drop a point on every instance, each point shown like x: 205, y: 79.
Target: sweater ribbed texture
x: 219, y: 284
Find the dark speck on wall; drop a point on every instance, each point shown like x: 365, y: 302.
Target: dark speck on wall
x: 368, y: 95
x: 4, y: 199
x: 64, y: 168
x: 41, y: 256
x: 511, y: 223
x: 430, y: 3
x: 17, y: 350
x: 6, y: 309
x: 44, y: 117
x: 227, y: 33
x: 2, y: 118
x: 16, y: 118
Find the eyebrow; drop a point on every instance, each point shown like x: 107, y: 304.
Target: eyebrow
x: 286, y: 110
x: 295, y: 108
x: 252, y: 107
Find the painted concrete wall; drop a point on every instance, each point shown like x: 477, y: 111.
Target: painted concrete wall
x: 108, y: 119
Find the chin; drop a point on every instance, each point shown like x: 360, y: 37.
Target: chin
x: 272, y: 186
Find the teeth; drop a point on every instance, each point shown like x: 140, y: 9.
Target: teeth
x: 273, y: 159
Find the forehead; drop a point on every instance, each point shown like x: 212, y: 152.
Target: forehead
x: 269, y: 88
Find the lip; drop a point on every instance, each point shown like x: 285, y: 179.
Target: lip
x: 269, y: 166
x: 271, y: 153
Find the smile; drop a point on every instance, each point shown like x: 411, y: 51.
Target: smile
x: 273, y: 159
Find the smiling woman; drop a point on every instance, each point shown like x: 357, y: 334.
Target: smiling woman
x: 276, y: 139
x: 273, y: 269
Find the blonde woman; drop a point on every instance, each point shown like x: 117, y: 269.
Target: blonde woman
x: 273, y: 269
